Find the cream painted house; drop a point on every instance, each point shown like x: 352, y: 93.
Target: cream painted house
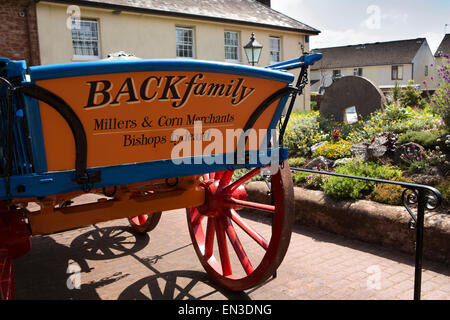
x: 217, y: 30
x: 384, y: 63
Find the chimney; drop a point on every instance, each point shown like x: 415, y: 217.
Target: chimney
x: 265, y: 2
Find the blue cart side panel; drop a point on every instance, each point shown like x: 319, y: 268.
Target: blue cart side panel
x: 40, y: 185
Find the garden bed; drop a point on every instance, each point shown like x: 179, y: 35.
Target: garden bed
x: 366, y: 221
x: 407, y: 141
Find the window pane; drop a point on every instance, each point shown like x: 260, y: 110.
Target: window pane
x: 231, y: 40
x: 184, y: 42
x: 275, y: 49
x: 85, y: 39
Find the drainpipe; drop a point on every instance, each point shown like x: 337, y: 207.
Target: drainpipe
x: 30, y: 46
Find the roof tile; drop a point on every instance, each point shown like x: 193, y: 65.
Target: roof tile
x: 369, y: 54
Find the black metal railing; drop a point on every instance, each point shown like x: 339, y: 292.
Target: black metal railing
x: 425, y: 197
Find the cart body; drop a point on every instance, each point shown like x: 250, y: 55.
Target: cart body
x: 150, y: 136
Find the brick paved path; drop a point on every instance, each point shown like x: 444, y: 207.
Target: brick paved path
x: 116, y: 264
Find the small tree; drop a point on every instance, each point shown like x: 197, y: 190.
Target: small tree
x: 412, y: 96
x: 440, y: 100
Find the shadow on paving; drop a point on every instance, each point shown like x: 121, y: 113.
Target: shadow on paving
x: 44, y: 274
x: 376, y: 249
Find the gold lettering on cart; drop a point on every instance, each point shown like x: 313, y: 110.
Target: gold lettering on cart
x: 175, y: 89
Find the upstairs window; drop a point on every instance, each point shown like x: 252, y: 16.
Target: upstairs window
x: 275, y: 50
x: 231, y: 46
x: 337, y: 74
x: 184, y: 42
x: 85, y: 40
x: 358, y: 72
x: 397, y: 73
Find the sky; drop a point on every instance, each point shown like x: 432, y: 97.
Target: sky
x: 347, y: 22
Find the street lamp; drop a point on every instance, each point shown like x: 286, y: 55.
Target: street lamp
x: 253, y: 50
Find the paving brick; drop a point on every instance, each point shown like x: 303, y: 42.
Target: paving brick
x: 318, y: 265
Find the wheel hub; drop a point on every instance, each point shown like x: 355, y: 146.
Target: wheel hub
x: 216, y: 198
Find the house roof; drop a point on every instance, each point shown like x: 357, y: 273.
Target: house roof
x: 369, y: 54
x: 444, y: 47
x: 246, y: 12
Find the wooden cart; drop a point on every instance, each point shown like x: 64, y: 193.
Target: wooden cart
x: 150, y: 136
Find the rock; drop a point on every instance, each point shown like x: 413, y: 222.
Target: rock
x: 317, y: 145
x: 319, y: 163
x: 359, y: 150
x: 426, y: 179
x: 431, y: 177
x: 377, y: 148
x: 341, y: 162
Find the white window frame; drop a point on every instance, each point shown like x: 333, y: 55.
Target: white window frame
x: 399, y: 72
x: 358, y: 72
x: 93, y: 40
x: 274, y: 50
x: 177, y: 43
x: 235, y: 46
x: 338, y: 73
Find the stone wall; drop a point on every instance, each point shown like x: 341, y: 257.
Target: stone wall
x: 18, y: 31
x: 367, y: 221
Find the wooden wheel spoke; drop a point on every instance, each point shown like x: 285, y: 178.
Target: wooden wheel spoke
x: 252, y: 205
x: 209, y: 240
x: 223, y: 248
x: 142, y: 219
x: 226, y: 178
x: 248, y: 229
x: 240, y: 181
x: 197, y: 218
x: 219, y: 175
x: 237, y: 245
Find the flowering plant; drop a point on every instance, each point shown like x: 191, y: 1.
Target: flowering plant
x: 440, y: 100
x: 336, y: 135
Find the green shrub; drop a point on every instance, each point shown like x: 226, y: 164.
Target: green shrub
x: 337, y: 150
x: 411, y: 96
x: 426, y: 139
x: 417, y: 167
x: 315, y: 181
x: 296, y: 162
x: 303, y: 132
x: 388, y: 193
x: 444, y: 189
x: 440, y: 100
x: 239, y: 173
x: 344, y: 188
x: 299, y: 177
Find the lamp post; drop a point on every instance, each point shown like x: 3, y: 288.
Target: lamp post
x: 253, y: 50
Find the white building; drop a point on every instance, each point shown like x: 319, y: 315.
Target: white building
x: 384, y: 63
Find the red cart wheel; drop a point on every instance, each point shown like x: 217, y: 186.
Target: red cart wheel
x: 145, y: 222
x: 258, y: 250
